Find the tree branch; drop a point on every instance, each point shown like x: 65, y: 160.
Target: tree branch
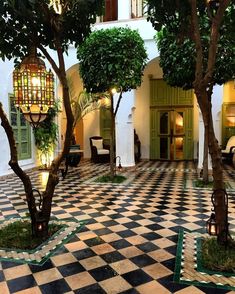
x: 214, y: 37
x: 14, y: 161
x: 118, y: 103
x: 198, y: 43
x: 50, y: 59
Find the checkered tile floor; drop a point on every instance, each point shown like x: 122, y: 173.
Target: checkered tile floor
x: 128, y: 244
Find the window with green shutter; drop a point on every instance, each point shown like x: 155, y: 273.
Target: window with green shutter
x: 22, y: 131
x: 105, y: 124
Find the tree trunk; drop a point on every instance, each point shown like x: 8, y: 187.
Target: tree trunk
x: 219, y: 200
x: 112, y: 139
x: 205, y: 176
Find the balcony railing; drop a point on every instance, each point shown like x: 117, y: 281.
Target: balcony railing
x: 137, y: 10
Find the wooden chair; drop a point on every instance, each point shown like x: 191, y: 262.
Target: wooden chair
x: 229, y: 151
x: 99, y: 151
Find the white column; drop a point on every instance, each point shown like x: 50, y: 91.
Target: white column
x: 125, y: 130
x: 124, y: 9
x: 217, y: 99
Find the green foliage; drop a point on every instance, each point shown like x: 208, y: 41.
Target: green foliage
x: 112, y: 58
x: 177, y: 47
x: 18, y: 235
x: 217, y: 257
x: 22, y: 21
x: 84, y: 102
x: 46, y: 134
x: 108, y: 179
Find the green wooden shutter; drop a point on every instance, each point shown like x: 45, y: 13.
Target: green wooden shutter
x: 154, y: 139
x: 162, y: 94
x: 159, y: 93
x: 105, y: 124
x: 188, y: 133
x: 182, y: 97
x: 22, y: 131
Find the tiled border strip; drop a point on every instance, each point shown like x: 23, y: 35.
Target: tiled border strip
x: 166, y: 169
x: 186, y: 267
x: 42, y: 253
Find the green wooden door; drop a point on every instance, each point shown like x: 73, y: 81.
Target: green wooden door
x: 171, y: 134
x: 171, y: 122
x: 22, y: 131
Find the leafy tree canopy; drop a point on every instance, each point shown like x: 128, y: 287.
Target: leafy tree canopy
x: 177, y: 46
x: 110, y: 58
x: 23, y: 22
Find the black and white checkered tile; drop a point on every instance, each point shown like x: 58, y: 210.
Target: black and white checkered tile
x: 129, y: 242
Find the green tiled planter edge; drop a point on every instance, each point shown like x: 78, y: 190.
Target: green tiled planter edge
x: 63, y: 222
x: 198, y: 266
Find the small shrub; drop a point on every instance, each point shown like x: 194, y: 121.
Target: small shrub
x: 107, y: 179
x: 18, y: 235
x: 217, y: 257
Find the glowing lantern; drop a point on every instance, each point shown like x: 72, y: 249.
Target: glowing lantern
x: 33, y: 88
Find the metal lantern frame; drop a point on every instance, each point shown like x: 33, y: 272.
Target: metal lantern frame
x: 33, y: 88
x: 212, y: 226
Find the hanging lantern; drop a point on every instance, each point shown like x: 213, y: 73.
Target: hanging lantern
x: 56, y: 4
x: 212, y: 226
x: 33, y: 88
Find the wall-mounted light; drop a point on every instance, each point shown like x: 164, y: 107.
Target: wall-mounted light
x: 33, y: 88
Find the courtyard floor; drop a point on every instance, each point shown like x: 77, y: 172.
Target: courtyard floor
x: 128, y: 241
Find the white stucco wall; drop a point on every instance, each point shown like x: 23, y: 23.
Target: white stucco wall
x: 91, y: 124
x: 142, y: 102
x: 125, y: 130
x: 217, y: 100
x: 124, y: 14
x: 6, y: 87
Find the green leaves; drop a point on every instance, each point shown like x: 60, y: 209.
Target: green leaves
x: 46, y: 134
x: 22, y: 21
x: 112, y: 58
x: 177, y: 47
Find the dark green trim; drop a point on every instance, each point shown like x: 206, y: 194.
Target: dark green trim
x: 53, y: 250
x: 19, y: 129
x: 178, y: 258
x: 178, y: 265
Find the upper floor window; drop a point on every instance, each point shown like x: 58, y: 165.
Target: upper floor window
x: 137, y: 8
x: 22, y: 131
x: 111, y: 10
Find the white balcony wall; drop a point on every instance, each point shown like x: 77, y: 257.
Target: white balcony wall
x: 124, y: 9
x: 217, y: 99
x: 125, y: 129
